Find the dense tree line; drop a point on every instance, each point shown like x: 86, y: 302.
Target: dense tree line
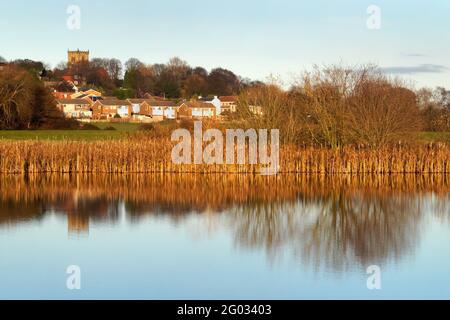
x: 332, y: 106
x: 134, y: 79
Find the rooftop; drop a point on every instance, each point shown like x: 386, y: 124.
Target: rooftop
x: 114, y: 102
x: 228, y: 98
x: 73, y: 101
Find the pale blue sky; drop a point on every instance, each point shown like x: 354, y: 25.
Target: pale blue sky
x: 254, y: 38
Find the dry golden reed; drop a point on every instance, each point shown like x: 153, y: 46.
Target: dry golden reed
x: 154, y: 156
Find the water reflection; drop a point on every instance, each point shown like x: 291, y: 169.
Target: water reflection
x: 331, y: 222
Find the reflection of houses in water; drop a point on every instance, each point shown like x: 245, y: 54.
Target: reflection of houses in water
x: 83, y: 211
x: 77, y: 223
x: 333, y: 222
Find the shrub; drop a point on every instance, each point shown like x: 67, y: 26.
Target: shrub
x: 146, y: 127
x: 88, y: 126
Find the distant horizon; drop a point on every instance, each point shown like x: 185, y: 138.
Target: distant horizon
x: 387, y: 70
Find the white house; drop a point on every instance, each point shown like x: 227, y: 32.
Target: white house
x: 166, y: 109
x: 215, y: 102
x: 229, y: 103
x: 75, y: 108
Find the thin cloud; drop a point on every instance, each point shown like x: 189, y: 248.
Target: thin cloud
x: 422, y: 68
x: 415, y: 55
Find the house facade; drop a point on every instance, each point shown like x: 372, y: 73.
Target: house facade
x: 229, y: 103
x: 62, y: 95
x: 110, y: 109
x: 166, y: 109
x: 75, y: 108
x: 158, y: 110
x: 197, y: 110
x: 215, y: 101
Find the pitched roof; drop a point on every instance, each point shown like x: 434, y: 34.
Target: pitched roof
x: 154, y: 103
x: 198, y: 105
x: 114, y: 102
x: 209, y: 99
x: 228, y: 98
x: 73, y: 101
x: 157, y: 103
x: 135, y: 101
x: 92, y: 92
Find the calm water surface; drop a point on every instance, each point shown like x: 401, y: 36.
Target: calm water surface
x: 235, y: 237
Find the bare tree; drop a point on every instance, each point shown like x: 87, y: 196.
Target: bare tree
x: 133, y: 64
x: 381, y: 112
x: 114, y: 68
x: 358, y: 105
x: 270, y: 107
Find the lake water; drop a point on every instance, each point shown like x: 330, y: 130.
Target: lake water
x: 215, y: 237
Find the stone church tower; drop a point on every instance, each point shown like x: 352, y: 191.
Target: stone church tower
x: 74, y: 57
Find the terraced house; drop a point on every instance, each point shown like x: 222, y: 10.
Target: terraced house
x: 75, y: 108
x: 229, y: 103
x: 111, y: 109
x: 91, y: 104
x: 156, y: 110
x: 197, y: 110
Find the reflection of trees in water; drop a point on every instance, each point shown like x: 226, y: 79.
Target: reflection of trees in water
x: 326, y: 221
x: 439, y: 205
x: 336, y: 231
x: 267, y: 226
x: 11, y: 213
x: 366, y: 228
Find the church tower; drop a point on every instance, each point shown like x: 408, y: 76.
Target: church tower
x: 74, y: 57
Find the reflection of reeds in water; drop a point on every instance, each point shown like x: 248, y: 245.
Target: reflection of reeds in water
x: 334, y: 221
x: 154, y: 156
x: 200, y: 192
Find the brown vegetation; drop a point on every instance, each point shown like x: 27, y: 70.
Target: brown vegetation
x: 336, y: 106
x: 26, y: 104
x: 154, y: 155
x: 330, y: 221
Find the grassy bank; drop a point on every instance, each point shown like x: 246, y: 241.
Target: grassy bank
x: 115, y: 131
x: 154, y: 155
x: 435, y: 136
x: 106, y: 131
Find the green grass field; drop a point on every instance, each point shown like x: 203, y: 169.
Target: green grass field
x: 122, y: 129
x: 435, y: 136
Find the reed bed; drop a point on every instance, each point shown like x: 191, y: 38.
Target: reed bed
x: 154, y: 156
